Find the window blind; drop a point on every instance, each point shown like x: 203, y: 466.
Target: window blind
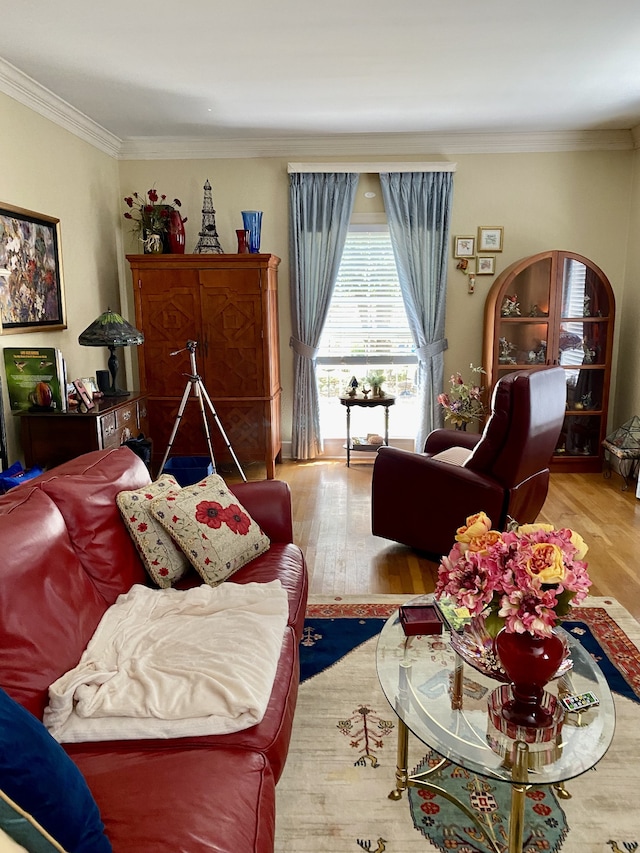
x: 367, y: 319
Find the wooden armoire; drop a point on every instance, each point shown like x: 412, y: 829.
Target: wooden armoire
x: 228, y: 304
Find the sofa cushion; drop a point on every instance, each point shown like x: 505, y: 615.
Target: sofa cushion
x: 49, y: 606
x: 215, y: 532
x: 38, y: 776
x: 162, y: 558
x: 270, y: 736
x: 85, y: 490
x: 183, y: 800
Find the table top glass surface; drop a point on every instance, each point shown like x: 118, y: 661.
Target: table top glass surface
x: 416, y: 675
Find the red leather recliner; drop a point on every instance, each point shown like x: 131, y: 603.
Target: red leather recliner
x: 420, y: 500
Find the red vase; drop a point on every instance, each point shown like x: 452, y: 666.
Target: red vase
x: 243, y: 241
x: 530, y: 663
x: 176, y: 233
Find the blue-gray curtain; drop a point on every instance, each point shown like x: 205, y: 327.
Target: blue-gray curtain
x: 321, y: 206
x: 418, y: 207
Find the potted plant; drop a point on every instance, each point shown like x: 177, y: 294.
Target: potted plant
x: 375, y: 378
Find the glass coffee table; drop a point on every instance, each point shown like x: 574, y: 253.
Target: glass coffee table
x: 452, y: 706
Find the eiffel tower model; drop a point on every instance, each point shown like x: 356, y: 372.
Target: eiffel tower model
x: 209, y: 243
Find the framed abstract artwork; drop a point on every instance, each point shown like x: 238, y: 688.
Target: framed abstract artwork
x: 31, y: 287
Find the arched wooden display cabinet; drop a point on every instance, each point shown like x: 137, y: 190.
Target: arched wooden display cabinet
x: 557, y: 308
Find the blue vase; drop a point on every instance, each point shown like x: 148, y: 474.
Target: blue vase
x: 252, y: 220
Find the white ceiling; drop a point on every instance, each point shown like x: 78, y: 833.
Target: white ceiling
x: 259, y: 70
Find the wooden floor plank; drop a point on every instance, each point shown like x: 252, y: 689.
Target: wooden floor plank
x: 331, y: 505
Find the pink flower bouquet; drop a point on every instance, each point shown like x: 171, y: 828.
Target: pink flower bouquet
x: 525, y: 579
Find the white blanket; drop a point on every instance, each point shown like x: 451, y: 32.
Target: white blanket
x: 174, y: 663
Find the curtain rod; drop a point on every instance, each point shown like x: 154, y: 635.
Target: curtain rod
x: 373, y: 168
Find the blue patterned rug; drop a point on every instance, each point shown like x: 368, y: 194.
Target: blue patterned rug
x: 333, y: 631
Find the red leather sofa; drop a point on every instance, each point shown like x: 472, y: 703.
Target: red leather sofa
x: 66, y: 556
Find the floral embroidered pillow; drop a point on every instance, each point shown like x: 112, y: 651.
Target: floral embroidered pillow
x: 163, y: 559
x: 214, y: 531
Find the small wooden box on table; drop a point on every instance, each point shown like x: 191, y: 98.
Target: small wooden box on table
x: 51, y: 438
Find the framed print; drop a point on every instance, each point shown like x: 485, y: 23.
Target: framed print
x: 90, y: 385
x: 83, y: 394
x: 485, y: 265
x: 31, y: 290
x: 464, y: 247
x: 490, y: 238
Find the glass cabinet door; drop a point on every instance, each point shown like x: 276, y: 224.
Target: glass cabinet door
x: 557, y: 308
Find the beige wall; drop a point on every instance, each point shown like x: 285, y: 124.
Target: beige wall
x: 574, y: 201
x: 628, y: 372
x: 588, y: 202
x: 48, y: 170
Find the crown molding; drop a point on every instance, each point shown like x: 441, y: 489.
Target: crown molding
x: 384, y: 144
x: 32, y: 94
x: 27, y: 91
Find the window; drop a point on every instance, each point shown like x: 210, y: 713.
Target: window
x: 367, y: 330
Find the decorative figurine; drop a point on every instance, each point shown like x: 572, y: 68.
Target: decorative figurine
x: 589, y: 354
x: 353, y: 387
x: 209, y: 243
x: 510, y: 306
x: 586, y: 310
x: 505, y: 350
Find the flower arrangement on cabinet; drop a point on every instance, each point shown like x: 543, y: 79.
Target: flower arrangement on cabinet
x: 150, y: 215
x: 463, y: 402
x: 525, y: 579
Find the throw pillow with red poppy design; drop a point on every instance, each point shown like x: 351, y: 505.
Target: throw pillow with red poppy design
x: 214, y: 531
x: 162, y: 558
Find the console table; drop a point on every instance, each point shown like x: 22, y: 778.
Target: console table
x: 50, y: 438
x: 368, y: 403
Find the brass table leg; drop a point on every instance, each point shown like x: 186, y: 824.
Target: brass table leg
x: 520, y: 774
x: 402, y: 771
x: 458, y: 683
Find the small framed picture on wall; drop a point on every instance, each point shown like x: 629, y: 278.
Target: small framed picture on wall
x: 485, y: 265
x: 464, y: 247
x: 490, y: 238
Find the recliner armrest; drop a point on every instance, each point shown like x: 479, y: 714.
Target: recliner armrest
x: 420, y: 501
x: 443, y: 439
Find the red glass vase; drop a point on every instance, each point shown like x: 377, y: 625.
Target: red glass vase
x: 243, y: 241
x: 175, y: 233
x: 530, y: 662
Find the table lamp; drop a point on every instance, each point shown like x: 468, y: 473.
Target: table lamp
x: 111, y: 330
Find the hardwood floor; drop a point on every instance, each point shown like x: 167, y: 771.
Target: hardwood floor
x: 332, y: 525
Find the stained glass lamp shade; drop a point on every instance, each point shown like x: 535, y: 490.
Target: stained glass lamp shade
x: 111, y: 330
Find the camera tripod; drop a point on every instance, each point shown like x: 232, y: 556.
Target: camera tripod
x: 194, y: 382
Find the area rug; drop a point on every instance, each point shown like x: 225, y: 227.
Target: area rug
x: 333, y: 795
